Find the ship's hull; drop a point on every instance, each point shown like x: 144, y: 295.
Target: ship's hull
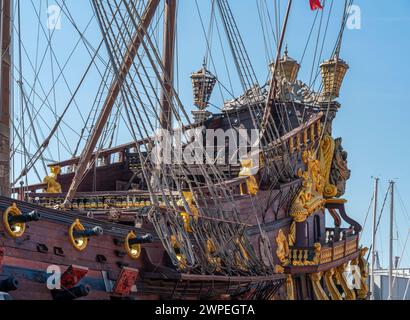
x: 44, y: 252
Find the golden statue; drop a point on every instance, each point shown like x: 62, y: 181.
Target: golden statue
x: 282, y: 251
x: 363, y: 292
x: 51, y: 180
x: 251, y: 183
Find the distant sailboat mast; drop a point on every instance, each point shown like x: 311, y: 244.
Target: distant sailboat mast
x: 391, y: 239
x: 374, y: 230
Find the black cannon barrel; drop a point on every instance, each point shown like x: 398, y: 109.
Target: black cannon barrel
x: 25, y: 217
x: 148, y: 238
x: 73, y: 293
x: 94, y: 232
x: 9, y: 284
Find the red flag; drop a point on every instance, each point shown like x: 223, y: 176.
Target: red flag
x: 315, y: 4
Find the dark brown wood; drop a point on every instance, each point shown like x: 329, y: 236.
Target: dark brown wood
x: 5, y: 74
x: 168, y: 62
x: 273, y: 83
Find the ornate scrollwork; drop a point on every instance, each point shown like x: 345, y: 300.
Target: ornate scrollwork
x: 327, y: 151
x: 316, y: 180
x: 311, y: 197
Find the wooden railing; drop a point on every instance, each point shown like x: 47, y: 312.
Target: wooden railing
x: 303, y: 135
x: 100, y: 200
x: 327, y: 253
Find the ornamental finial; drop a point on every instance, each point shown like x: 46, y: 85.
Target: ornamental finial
x: 288, y: 68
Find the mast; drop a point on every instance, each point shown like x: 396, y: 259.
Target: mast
x: 5, y: 74
x: 273, y: 83
x: 373, y: 261
x: 168, y: 61
x: 392, y: 183
x: 111, y: 98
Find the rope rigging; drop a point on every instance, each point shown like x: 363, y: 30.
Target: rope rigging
x: 132, y: 81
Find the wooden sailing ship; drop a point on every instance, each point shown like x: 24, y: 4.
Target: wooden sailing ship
x: 112, y: 224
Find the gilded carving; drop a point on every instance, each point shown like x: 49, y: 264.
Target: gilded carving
x: 282, y: 250
x: 186, y: 218
x: 213, y: 260
x: 327, y: 151
x: 320, y: 294
x: 349, y: 293
x: 318, y: 252
x: 290, y: 291
x: 279, y: 269
x: 292, y: 234
x: 310, y: 198
x: 316, y: 184
x: 363, y: 292
x: 247, y: 170
x: 339, y: 173
x: 331, y: 286
x: 51, y: 180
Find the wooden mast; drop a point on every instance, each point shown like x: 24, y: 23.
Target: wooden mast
x: 168, y: 62
x: 110, y: 100
x: 5, y: 74
x: 273, y: 82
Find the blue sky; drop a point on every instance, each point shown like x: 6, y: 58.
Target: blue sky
x: 373, y: 120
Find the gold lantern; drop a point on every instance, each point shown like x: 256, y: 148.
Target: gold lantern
x: 333, y: 73
x: 288, y: 68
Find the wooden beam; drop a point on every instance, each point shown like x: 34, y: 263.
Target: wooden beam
x: 168, y: 61
x: 273, y: 82
x: 111, y: 98
x: 5, y: 75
